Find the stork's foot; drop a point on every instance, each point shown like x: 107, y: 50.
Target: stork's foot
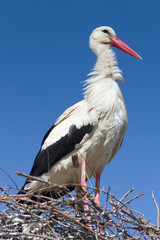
x: 97, y: 198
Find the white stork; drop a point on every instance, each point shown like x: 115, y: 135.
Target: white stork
x: 93, y: 128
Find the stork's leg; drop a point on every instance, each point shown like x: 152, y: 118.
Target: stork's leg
x: 83, y: 182
x: 97, y: 197
x: 75, y: 164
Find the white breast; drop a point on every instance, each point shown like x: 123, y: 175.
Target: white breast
x: 107, y: 138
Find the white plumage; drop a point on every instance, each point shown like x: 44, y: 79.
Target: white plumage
x: 93, y: 128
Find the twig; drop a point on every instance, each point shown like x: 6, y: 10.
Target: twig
x: 33, y: 178
x: 137, y: 196
x: 9, y: 177
x: 153, y: 196
x: 126, y: 194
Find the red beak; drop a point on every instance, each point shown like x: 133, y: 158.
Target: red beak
x: 116, y: 42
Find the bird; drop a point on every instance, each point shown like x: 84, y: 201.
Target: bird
x: 93, y: 128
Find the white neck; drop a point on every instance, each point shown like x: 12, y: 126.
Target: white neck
x: 101, y: 86
x: 106, y: 64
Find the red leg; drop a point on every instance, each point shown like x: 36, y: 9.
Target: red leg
x: 83, y: 182
x: 97, y: 197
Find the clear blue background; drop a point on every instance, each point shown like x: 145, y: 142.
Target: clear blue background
x: 44, y: 57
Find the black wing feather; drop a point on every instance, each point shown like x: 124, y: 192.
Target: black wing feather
x: 45, y: 159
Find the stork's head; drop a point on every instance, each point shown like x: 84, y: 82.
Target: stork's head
x: 103, y: 36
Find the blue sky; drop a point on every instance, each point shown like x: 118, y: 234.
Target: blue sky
x: 44, y: 57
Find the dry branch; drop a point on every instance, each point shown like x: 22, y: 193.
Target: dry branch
x: 157, y: 209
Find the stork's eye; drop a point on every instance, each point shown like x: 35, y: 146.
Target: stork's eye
x: 105, y: 31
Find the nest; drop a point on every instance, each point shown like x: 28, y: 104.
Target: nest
x: 73, y: 216
x: 67, y: 218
